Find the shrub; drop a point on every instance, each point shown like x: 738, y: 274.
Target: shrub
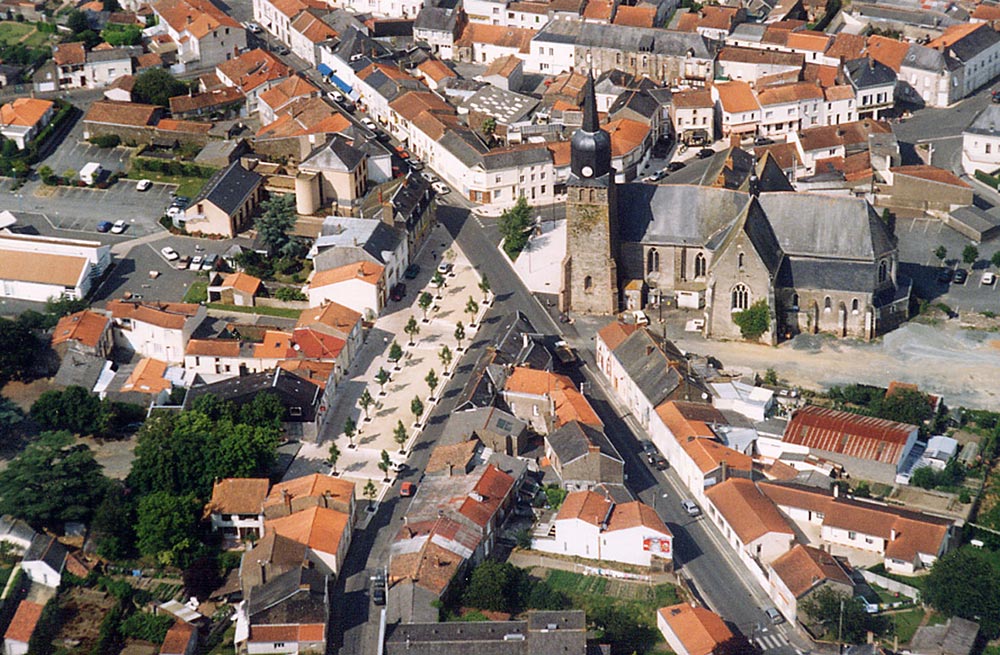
x: 106, y: 140
x: 287, y: 294
x: 986, y: 178
x: 754, y: 320
x: 147, y: 627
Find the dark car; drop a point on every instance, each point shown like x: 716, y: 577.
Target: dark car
x: 961, y: 275
x: 378, y: 595
x: 705, y: 153
x: 675, y: 166
x: 104, y: 226
x: 945, y: 275
x: 995, y: 96
x: 762, y: 141
x: 661, y: 463
x: 412, y: 271
x: 398, y: 292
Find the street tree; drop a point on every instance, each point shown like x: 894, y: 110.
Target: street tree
x: 167, y: 526
x: 515, y: 224
x: 472, y: 308
x: 350, y: 429
x: 446, y: 356
x: 366, y: 401
x: 395, y: 354
x: 381, y: 377
x: 459, y: 335
x: 484, y: 286
x: 156, y: 86
x: 370, y: 492
x: 438, y: 282
x: 411, y: 329
x: 399, y: 435
x: 970, y: 254
x: 417, y: 409
x: 383, y: 465
x: 52, y: 481
x: 333, y: 456
x: 432, y: 383
x: 424, y: 302
x: 940, y: 252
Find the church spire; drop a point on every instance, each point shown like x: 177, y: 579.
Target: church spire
x: 590, y: 149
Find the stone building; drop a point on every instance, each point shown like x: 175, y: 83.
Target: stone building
x: 821, y: 263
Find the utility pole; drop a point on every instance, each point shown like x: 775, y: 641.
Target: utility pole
x: 840, y: 628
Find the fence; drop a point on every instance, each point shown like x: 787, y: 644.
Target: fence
x: 892, y: 585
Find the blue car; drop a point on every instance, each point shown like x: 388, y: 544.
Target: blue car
x: 104, y: 226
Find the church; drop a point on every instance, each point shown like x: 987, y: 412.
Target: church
x: 822, y: 263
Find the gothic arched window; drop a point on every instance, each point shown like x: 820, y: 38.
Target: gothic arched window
x: 883, y: 270
x: 739, y: 261
x: 699, y: 265
x: 741, y: 298
x: 588, y: 283
x: 855, y: 305
x: 827, y: 304
x: 653, y: 261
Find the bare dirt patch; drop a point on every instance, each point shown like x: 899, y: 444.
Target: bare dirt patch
x: 24, y: 394
x: 116, y: 456
x: 82, y: 612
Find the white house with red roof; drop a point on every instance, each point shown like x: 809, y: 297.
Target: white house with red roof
x: 21, y: 627
x: 158, y: 330
x: 203, y: 32
x: 360, y: 286
x: 593, y: 526
x: 253, y: 73
x: 692, y: 630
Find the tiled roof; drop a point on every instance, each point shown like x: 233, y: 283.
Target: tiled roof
x: 331, y: 315
x: 854, y: 435
x: 213, y: 347
x: 570, y: 404
x: 845, y: 134
x: 302, y: 116
x: 85, y: 326
x: 313, y: 487
x: 503, y: 66
x: 693, y: 99
x: 317, y: 345
x: 493, y: 487
x: 242, y: 282
x: 626, y: 135
x: 887, y: 51
x: 931, y: 174
x: 23, y: 624
x: 456, y: 455
x: 809, y: 40
x: 614, y: 333
x: 846, y: 46
x: 213, y: 98
x: 276, y: 345
x: 196, y: 17
x: 736, y: 96
x: 589, y: 506
x: 825, y: 76
x: 431, y: 567
x: 789, y: 93
x: 749, y: 512
x: 121, y: 113
x: 252, y: 69
x: 59, y: 270
x: 700, y: 630
x: 437, y: 70
x: 756, y: 56
x: 24, y: 112
x: 69, y: 54
x: 238, y: 496
x: 599, y: 10
x: 319, y: 528
x: 496, y: 35
x: 638, y: 16
x: 411, y: 103
x: 294, y: 87
x: 178, y: 637
x: 369, y: 272
x: 804, y: 567
x: 190, y: 127
x: 296, y: 633
x: 171, y: 315
x: 636, y: 514
x: 147, y: 377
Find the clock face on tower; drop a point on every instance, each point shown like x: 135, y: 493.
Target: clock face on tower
x: 587, y: 171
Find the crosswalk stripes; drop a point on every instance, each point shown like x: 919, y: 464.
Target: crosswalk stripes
x: 770, y: 641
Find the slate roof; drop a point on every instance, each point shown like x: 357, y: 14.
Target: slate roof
x: 966, y: 41
x: 573, y: 440
x: 867, y: 72
x: 807, y: 273
x: 46, y: 549
x: 986, y: 122
x: 436, y: 19
x: 229, y: 188
x: 625, y: 38
x: 652, y: 365
x: 293, y: 390
x: 375, y: 238
x: 543, y: 633
x: 295, y: 597
x: 676, y: 213
x: 335, y: 155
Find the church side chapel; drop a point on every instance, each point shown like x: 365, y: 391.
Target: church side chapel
x: 820, y: 263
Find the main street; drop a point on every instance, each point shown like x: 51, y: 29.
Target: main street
x: 700, y: 555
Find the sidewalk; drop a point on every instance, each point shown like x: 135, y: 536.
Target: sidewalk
x: 360, y: 463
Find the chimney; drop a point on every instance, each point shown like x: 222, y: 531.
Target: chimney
x: 836, y: 490
x: 326, y: 499
x: 593, y: 448
x: 723, y: 472
x: 649, y: 350
x: 263, y: 570
x: 288, y: 500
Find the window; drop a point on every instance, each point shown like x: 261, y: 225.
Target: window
x: 653, y: 261
x: 852, y: 535
x: 854, y: 306
x: 827, y: 305
x: 588, y: 283
x: 795, y: 301
x: 699, y: 265
x: 883, y: 270
x: 987, y: 148
x: 739, y: 261
x: 741, y: 298
x: 295, y: 411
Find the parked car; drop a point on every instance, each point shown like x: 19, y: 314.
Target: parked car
x: 369, y: 123
x: 398, y: 292
x: 441, y: 188
x: 945, y: 275
x: 989, y: 278
x: 431, y: 177
x: 378, y: 595
x: 336, y: 96
x: 412, y: 271
x: 183, y: 263
x: 407, y: 489
x: 705, y: 153
x: 196, y: 263
x: 104, y: 226
x: 398, y: 467
x: 253, y: 28
x: 995, y: 95
x: 661, y: 463
x: 961, y: 275
x: 690, y: 507
x: 118, y: 227
x: 762, y: 141
x: 416, y: 165
x: 774, y: 615
x: 675, y: 166
x: 401, y: 152
x: 180, y: 201
x: 444, y: 268
x: 209, y: 263
x: 169, y: 254
x: 281, y: 50
x: 144, y: 185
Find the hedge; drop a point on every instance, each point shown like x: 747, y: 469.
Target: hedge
x: 167, y: 167
x: 986, y: 178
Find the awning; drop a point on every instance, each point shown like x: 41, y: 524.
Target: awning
x: 324, y: 70
x: 340, y: 84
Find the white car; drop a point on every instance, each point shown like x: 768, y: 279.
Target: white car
x: 196, y: 263
x: 369, y: 123
x: 254, y: 28
x: 690, y: 507
x: 336, y: 96
x: 169, y: 254
x: 441, y: 188
x: 118, y: 227
x: 988, y: 277
x: 144, y: 185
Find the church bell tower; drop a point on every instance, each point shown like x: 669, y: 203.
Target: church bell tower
x: 590, y: 269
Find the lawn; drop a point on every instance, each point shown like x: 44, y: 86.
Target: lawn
x: 11, y: 32
x: 197, y: 292
x: 907, y: 623
x: 186, y: 186
x: 282, y: 312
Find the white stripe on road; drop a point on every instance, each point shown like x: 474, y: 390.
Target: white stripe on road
x: 770, y: 641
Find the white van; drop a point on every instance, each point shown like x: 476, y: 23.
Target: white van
x: 91, y: 173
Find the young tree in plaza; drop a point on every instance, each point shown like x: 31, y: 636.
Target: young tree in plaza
x: 472, y: 308
x: 334, y: 455
x: 432, y: 382
x: 399, y: 435
x: 484, y: 286
x: 424, y: 302
x: 417, y: 409
x: 366, y: 401
x: 350, y: 429
x: 446, y: 356
x: 459, y: 334
x: 381, y: 377
x: 411, y: 329
x: 395, y: 354
x: 384, y: 464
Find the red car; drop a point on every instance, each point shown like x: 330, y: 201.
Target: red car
x: 402, y: 153
x: 407, y: 489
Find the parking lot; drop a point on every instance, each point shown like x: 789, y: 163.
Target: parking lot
x: 919, y: 238
x: 74, y: 153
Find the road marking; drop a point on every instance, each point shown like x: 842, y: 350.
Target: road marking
x: 770, y: 641
x: 940, y: 138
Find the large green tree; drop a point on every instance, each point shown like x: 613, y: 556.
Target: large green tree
x: 156, y: 86
x: 18, y: 348
x: 74, y: 409
x: 114, y: 523
x: 265, y: 409
x: 10, y: 415
x: 174, y: 454
x: 274, y: 224
x: 496, y: 586
x: 167, y: 526
x: 245, y: 450
x: 842, y: 615
x: 966, y: 583
x: 514, y: 224
x: 51, y: 481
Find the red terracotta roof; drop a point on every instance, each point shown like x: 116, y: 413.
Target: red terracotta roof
x: 613, y: 334
x: 700, y: 630
x: 749, y: 512
x: 178, y: 637
x: 854, y: 435
x: 23, y: 624
x: 85, y: 326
